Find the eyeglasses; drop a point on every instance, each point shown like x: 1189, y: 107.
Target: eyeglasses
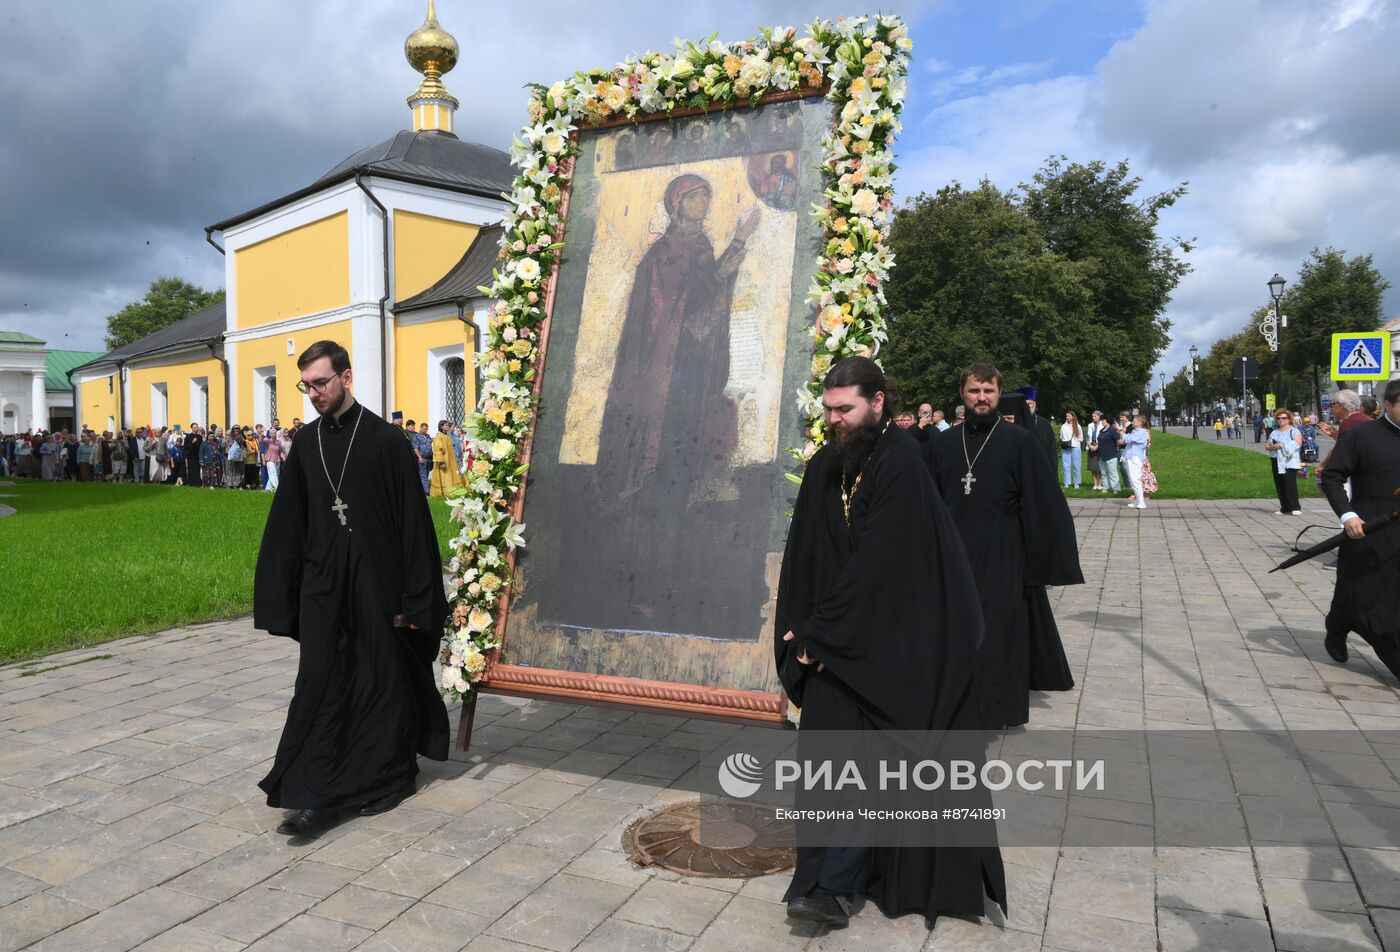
x: 317, y: 386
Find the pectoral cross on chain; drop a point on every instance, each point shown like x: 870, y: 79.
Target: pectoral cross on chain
x: 967, y: 482
x: 339, y: 509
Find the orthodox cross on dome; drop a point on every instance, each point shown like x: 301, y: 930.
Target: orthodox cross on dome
x: 432, y: 51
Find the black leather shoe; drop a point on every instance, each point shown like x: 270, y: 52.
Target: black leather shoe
x: 306, y: 823
x: 825, y: 908
x: 387, y: 802
x: 1336, y: 645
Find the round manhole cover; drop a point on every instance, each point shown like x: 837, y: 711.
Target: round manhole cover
x: 719, y: 838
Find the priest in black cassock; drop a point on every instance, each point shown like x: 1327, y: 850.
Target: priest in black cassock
x: 1019, y: 535
x: 879, y: 620
x: 1367, y: 597
x: 1045, y: 433
x: 349, y: 567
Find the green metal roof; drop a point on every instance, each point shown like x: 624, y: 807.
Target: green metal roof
x: 59, y: 362
x: 15, y: 337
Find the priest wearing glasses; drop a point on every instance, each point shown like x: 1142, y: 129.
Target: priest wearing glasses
x: 349, y: 568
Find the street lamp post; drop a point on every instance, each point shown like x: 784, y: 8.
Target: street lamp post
x: 1195, y: 405
x: 1162, y: 414
x: 1276, y: 284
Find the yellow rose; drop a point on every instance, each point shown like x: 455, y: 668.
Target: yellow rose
x: 864, y: 202
x: 878, y: 82
x: 479, y: 619
x: 496, y: 415
x: 521, y: 348
x: 830, y: 318
x: 615, y: 97
x: 857, y: 85
x: 490, y: 582
x: 481, y: 468
x: 474, y: 662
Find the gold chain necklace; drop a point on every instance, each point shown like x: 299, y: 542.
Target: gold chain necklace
x: 848, y: 495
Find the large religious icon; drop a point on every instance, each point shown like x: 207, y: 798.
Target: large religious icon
x: 678, y: 336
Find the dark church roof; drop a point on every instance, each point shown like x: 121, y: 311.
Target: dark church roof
x: 438, y: 159
x: 471, y: 271
x: 201, y: 327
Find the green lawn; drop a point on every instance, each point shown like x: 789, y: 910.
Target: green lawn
x: 85, y: 562
x: 1197, y: 469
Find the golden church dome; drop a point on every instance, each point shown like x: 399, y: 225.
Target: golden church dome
x: 430, y: 48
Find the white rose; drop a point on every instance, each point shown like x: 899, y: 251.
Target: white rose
x: 501, y: 449
x: 615, y: 97
x: 553, y: 143
x: 754, y: 71
x: 529, y: 268
x: 864, y: 202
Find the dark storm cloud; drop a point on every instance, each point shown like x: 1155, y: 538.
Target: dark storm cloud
x: 128, y: 127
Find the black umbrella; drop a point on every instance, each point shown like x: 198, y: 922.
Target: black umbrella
x: 1327, y: 545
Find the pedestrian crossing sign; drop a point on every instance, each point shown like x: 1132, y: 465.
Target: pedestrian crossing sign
x: 1357, y: 356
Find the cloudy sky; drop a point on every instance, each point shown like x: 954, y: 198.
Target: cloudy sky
x: 130, y: 126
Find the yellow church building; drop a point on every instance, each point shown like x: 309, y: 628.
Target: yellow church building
x: 383, y: 253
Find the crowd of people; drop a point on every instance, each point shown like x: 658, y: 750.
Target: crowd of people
x: 1114, y: 450
x: 237, y: 457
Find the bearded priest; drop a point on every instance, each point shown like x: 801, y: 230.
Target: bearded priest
x: 349, y: 568
x: 1019, y: 535
x: 877, y: 628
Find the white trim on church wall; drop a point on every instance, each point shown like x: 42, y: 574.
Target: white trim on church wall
x: 292, y: 325
x: 199, y: 400
x: 366, y: 353
x: 262, y: 402
x: 160, y: 404
x: 437, y: 379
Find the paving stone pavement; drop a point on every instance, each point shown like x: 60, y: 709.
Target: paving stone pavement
x: 129, y: 815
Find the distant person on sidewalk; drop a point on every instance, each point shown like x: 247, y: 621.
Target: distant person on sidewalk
x: 1109, y: 470
x: 1285, y: 453
x: 1259, y: 428
x: 1219, y: 427
x: 1134, y: 446
x: 1071, y: 447
x: 1091, y: 448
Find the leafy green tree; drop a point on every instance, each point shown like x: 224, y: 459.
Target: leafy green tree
x: 975, y: 281
x: 1093, y: 215
x: 1334, y: 294
x: 167, y: 300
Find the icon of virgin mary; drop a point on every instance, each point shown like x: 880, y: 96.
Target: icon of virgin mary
x: 666, y: 410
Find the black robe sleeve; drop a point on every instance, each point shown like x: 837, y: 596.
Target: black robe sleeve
x: 277, y: 580
x: 795, y: 581
x: 906, y: 656
x: 1341, y: 465
x: 423, y: 600
x: 1047, y: 525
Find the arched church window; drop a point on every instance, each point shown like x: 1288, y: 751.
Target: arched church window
x: 455, y: 384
